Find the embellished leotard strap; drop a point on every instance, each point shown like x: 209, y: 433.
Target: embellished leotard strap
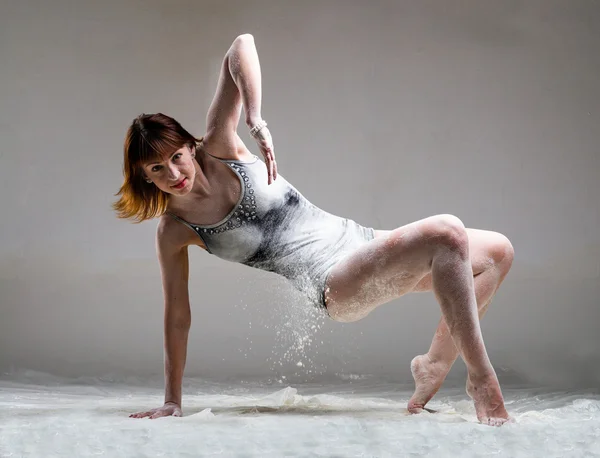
x: 196, y: 229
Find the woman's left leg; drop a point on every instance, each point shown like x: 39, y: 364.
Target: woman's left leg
x: 491, y: 255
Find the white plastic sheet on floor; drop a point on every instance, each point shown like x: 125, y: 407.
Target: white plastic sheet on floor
x: 45, y: 416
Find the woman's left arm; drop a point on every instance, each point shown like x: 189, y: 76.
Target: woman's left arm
x: 240, y: 85
x: 245, y: 71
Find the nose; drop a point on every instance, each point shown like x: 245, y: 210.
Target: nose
x: 173, y: 172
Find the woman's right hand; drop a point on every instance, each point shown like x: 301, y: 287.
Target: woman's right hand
x: 168, y: 409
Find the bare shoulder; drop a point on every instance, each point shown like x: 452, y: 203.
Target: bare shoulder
x: 171, y: 248
x: 171, y: 235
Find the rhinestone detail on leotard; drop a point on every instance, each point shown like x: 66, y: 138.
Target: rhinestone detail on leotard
x: 244, y: 213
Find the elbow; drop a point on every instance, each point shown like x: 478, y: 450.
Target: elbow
x: 241, y: 44
x: 242, y: 47
x: 178, y: 325
x: 245, y: 37
x: 178, y: 319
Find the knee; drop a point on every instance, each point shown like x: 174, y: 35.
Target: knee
x: 502, y: 252
x: 449, y: 231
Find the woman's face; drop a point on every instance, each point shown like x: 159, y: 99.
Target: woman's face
x: 174, y: 174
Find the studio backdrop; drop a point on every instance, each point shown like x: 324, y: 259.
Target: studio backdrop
x: 384, y: 112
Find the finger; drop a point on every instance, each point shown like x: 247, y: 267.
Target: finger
x: 158, y: 414
x: 274, y: 163
x: 267, y: 157
x: 140, y: 414
x: 270, y: 168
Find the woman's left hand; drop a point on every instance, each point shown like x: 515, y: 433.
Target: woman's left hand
x: 265, y: 144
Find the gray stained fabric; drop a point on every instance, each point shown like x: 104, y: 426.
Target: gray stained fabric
x: 275, y: 228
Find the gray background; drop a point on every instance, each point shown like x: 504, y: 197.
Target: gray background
x: 384, y: 112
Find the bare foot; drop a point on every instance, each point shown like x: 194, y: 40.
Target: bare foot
x: 488, y: 400
x: 429, y: 377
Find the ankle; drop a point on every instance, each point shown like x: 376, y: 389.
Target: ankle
x: 482, y: 377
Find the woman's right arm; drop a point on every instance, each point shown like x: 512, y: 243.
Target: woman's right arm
x: 174, y: 266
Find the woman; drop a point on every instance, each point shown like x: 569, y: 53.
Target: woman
x: 212, y: 192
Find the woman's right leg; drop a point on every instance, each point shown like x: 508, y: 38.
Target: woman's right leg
x: 389, y: 267
x: 491, y: 256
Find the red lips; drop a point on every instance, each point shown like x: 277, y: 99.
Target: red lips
x: 181, y: 184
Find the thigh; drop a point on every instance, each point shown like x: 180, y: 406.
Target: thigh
x: 387, y: 267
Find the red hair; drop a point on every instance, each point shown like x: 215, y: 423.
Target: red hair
x: 150, y: 137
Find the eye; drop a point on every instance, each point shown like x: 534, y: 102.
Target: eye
x: 177, y: 156
x: 156, y: 168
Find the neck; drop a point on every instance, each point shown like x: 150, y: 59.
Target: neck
x: 201, y: 189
